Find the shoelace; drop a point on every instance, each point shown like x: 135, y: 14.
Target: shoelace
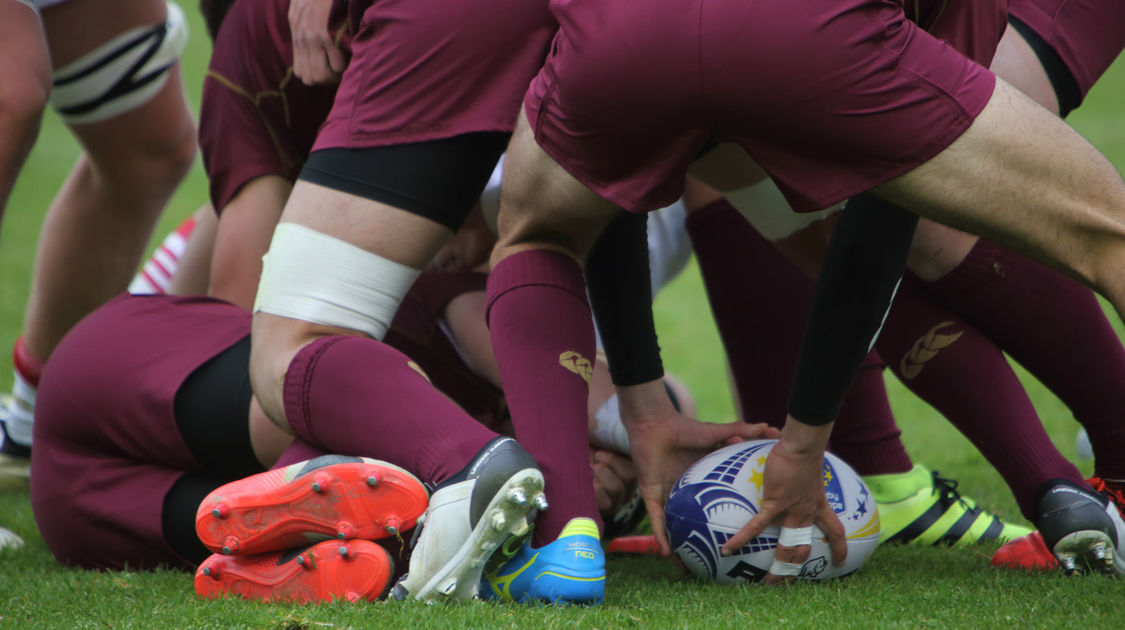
x: 1113, y: 494
x: 947, y: 488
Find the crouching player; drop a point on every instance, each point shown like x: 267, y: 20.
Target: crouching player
x: 128, y: 467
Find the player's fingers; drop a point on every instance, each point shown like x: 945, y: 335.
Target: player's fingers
x: 749, y: 531
x: 611, y: 483
x: 834, y: 532
x: 622, y: 466
x: 319, y: 61
x: 336, y: 60
x: 655, y: 510
x: 794, y: 545
x: 711, y: 433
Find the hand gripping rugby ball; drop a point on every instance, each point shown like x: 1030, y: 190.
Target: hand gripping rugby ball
x: 719, y: 494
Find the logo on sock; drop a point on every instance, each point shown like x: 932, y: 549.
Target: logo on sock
x: 417, y: 368
x: 577, y: 363
x: 926, y: 348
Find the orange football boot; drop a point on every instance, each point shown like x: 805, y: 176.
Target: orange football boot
x: 332, y: 496
x: 331, y: 570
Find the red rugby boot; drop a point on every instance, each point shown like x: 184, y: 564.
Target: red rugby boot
x: 328, y: 497
x: 633, y: 546
x: 1027, y: 553
x: 331, y: 570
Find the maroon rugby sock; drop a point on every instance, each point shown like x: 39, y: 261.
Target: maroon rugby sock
x: 543, y: 336
x: 357, y: 396
x: 865, y: 435
x: 1055, y: 328
x: 951, y: 365
x: 298, y: 451
x: 760, y: 302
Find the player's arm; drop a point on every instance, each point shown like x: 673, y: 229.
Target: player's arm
x: 243, y: 237
x: 620, y: 287
x: 861, y: 271
x: 663, y: 443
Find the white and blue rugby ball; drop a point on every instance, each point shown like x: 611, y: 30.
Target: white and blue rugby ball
x: 719, y: 494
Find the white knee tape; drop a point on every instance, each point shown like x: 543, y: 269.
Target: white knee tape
x: 766, y: 209
x: 121, y: 74
x: 317, y: 278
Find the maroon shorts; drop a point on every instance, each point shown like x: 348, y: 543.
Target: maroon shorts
x: 256, y: 118
x: 831, y: 97
x: 107, y: 447
x: 430, y: 69
x: 1087, y: 34
x: 973, y: 28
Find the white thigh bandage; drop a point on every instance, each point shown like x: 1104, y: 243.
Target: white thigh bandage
x: 765, y: 208
x: 121, y: 74
x: 317, y: 278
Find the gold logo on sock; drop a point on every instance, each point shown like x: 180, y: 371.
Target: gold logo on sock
x: 417, y: 368
x: 926, y: 348
x: 577, y: 363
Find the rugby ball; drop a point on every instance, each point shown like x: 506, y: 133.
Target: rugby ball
x: 719, y: 494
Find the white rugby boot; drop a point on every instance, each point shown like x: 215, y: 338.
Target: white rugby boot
x: 493, y: 499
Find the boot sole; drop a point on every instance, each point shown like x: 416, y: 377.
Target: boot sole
x: 328, y: 571
x: 267, y: 512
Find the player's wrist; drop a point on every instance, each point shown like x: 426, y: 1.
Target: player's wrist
x: 644, y: 400
x: 801, y: 440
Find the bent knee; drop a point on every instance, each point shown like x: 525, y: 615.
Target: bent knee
x: 23, y: 97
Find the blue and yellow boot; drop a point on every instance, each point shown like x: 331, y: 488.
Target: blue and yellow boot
x: 923, y: 508
x: 570, y: 570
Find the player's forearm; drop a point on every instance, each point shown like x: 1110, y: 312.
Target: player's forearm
x: 864, y: 264
x: 620, y: 286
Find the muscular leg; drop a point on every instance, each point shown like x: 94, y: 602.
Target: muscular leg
x: 1023, y: 178
x: 397, y: 235
x: 536, y: 278
x: 25, y: 64
x: 957, y: 368
x: 937, y: 249
x: 97, y: 227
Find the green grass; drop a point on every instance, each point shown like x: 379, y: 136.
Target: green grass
x: 901, y: 587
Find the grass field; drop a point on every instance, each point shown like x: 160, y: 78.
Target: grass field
x: 900, y: 587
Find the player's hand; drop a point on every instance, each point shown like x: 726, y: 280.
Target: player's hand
x: 664, y: 444
x: 615, y: 479
x: 469, y: 248
x: 317, y: 59
x: 793, y: 498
